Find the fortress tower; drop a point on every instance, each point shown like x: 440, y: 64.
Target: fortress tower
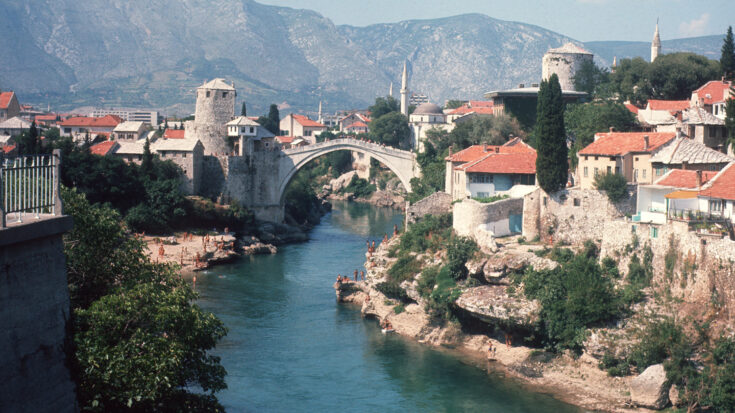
x: 214, y: 108
x: 564, y: 61
x: 655, y: 45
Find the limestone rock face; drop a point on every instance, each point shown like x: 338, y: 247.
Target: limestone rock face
x: 498, y: 266
x: 649, y: 388
x: 474, y: 267
x: 492, y: 303
x: 337, y: 184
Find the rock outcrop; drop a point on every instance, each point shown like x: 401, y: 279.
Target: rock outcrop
x: 493, y: 304
x: 649, y: 389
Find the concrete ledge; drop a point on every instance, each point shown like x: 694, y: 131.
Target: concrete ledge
x: 34, y: 229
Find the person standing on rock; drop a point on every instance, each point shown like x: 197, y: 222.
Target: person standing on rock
x: 362, y: 275
x: 355, y: 275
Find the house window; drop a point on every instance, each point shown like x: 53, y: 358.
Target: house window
x: 595, y: 158
x: 617, y: 170
x: 67, y: 130
x: 307, y: 133
x: 644, y: 174
x: 635, y: 176
x: 596, y: 171
x: 577, y: 202
x: 654, y: 232
x: 585, y: 171
x: 252, y: 129
x: 224, y: 94
x: 242, y: 130
x: 715, y: 205
x: 183, y: 155
x: 207, y: 93
x: 609, y: 170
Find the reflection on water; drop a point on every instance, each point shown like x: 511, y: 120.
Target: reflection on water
x: 291, y: 347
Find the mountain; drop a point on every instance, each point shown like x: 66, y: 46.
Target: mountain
x: 154, y: 53
x: 604, y: 51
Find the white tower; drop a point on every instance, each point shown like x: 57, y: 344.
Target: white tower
x: 319, y: 116
x: 404, y: 90
x: 390, y: 90
x: 655, y: 45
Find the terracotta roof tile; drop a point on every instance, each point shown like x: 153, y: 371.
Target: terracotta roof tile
x: 358, y: 124
x: 722, y: 185
x: 285, y: 139
x: 713, y: 91
x: 504, y: 163
x: 84, y: 121
x: 679, y: 178
x: 174, y: 134
x: 5, y: 98
x: 670, y: 105
x: 304, y: 121
x: 620, y: 143
x: 631, y: 107
x: 476, y: 152
x: 102, y: 148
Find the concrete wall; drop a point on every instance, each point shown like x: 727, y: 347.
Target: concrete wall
x: 469, y: 214
x: 34, y: 312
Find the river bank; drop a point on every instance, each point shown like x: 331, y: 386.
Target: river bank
x: 574, y: 380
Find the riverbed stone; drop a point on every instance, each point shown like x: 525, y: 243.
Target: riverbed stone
x: 649, y: 388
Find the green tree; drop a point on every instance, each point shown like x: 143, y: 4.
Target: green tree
x: 589, y: 77
x: 391, y: 129
x: 140, y: 343
x: 551, y: 143
x: 630, y: 81
x: 614, y: 185
x: 727, y: 59
x: 730, y: 119
x: 146, y: 165
x: 383, y: 106
x: 243, y: 110
x: 582, y: 121
x: 454, y: 103
x: 272, y: 122
x: 674, y: 76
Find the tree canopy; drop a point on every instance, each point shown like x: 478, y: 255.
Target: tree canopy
x: 589, y: 78
x: 582, y: 121
x: 383, y: 106
x: 730, y: 119
x: 727, y: 59
x: 551, y: 145
x: 272, y: 122
x: 391, y: 129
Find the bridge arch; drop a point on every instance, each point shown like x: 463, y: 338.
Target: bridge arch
x: 400, y: 162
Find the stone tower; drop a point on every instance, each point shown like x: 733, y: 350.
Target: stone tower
x: 215, y: 107
x: 404, y: 90
x: 655, y: 45
x: 564, y: 61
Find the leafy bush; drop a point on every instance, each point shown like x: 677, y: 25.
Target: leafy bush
x: 491, y: 199
x: 614, y: 185
x: 404, y: 268
x: 615, y: 367
x: 459, y: 251
x: 392, y: 289
x: 658, y: 339
x: 427, y: 234
x: 399, y: 308
x: 360, y: 187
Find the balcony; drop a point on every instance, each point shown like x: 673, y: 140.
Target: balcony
x: 29, y: 189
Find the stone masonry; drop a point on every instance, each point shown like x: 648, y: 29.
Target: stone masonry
x: 34, y: 312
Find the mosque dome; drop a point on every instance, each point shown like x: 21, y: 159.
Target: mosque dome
x: 428, y: 109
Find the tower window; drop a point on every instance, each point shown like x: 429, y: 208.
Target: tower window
x: 224, y: 94
x: 207, y: 93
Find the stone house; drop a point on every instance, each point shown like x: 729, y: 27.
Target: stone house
x: 14, y: 126
x: 712, y: 97
x: 346, y: 121
x: 626, y: 153
x: 78, y: 125
x: 676, y: 190
x: 357, y: 127
x: 704, y: 127
x: 717, y: 197
x: 471, y: 108
x: 249, y: 135
x: 482, y: 171
x: 129, y: 131
x: 104, y: 148
x: 9, y: 105
x: 685, y: 153
x: 288, y: 142
x: 661, y: 115
x: 174, y: 134
x: 301, y: 126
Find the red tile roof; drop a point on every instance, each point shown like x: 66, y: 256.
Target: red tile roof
x: 174, y: 134
x: 102, y: 148
x: 285, y: 139
x: 84, y: 121
x: 504, y: 163
x: 464, y: 109
x: 358, y: 124
x: 5, y: 98
x: 722, y: 186
x: 670, y: 105
x: 713, y: 91
x: 476, y: 152
x: 680, y: 178
x: 481, y: 103
x: 8, y: 148
x: 304, y: 121
x: 50, y: 116
x: 631, y: 107
x: 620, y: 143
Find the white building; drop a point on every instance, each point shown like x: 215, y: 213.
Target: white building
x: 151, y: 117
x: 250, y: 135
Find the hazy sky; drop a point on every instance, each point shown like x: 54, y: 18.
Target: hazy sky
x: 584, y: 20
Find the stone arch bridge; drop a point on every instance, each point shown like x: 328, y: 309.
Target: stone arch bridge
x: 260, y: 183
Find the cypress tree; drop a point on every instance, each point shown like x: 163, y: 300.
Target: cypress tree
x: 551, y: 142
x: 147, y: 163
x: 730, y: 120
x: 33, y: 143
x: 243, y: 111
x: 727, y: 60
x: 274, y: 120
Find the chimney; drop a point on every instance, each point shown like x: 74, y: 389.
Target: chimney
x: 612, y: 129
x: 484, y: 147
x: 699, y: 179
x: 497, y: 149
x: 684, y: 165
x: 645, y: 142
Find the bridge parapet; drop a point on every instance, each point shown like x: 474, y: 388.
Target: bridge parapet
x: 370, y: 146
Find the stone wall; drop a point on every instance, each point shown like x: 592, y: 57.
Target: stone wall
x: 213, y: 175
x: 565, y: 65
x: 34, y: 312
x: 469, y: 214
x: 438, y: 203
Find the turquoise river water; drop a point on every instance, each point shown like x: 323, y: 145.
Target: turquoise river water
x: 292, y: 348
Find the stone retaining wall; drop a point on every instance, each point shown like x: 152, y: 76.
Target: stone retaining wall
x: 469, y: 214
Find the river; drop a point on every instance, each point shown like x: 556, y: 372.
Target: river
x: 292, y: 348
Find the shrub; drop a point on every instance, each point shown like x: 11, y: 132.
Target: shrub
x: 615, y: 367
x: 404, y: 268
x: 491, y: 199
x: 360, y: 187
x: 614, y: 185
x: 459, y: 251
x: 391, y: 289
x: 399, y: 308
x: 658, y: 339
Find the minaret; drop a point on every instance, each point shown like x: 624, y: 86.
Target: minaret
x: 404, y: 90
x: 319, y: 116
x: 656, y: 44
x: 615, y: 63
x: 390, y: 90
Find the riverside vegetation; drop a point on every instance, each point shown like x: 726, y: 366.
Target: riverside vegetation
x: 584, y: 293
